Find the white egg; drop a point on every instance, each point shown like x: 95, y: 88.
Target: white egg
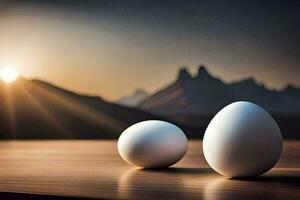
x: 152, y: 144
x: 242, y: 140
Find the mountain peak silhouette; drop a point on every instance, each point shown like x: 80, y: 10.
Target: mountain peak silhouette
x: 291, y: 91
x: 134, y: 99
x: 184, y: 74
x: 290, y: 87
x: 140, y: 91
x: 202, y: 71
x: 206, y: 94
x: 205, y: 75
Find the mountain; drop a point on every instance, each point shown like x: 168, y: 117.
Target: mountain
x: 34, y: 109
x: 205, y: 94
x: 193, y: 101
x: 133, y: 100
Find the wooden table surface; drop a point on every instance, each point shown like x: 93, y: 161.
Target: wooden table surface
x: 93, y: 169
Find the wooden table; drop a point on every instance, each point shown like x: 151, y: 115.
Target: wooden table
x: 93, y: 169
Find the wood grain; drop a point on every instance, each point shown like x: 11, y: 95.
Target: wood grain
x: 93, y: 169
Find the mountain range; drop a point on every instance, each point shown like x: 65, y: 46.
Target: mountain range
x: 205, y: 94
x: 34, y: 109
x: 132, y: 100
x: 194, y: 100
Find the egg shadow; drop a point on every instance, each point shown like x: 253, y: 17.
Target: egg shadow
x: 279, y: 179
x: 276, y: 185
x: 179, y: 170
x: 273, y: 176
x: 166, y: 183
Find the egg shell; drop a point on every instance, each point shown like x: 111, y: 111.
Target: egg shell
x: 152, y: 144
x: 242, y: 140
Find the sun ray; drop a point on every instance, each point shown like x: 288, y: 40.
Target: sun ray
x: 10, y: 110
x: 82, y: 110
x: 46, y: 114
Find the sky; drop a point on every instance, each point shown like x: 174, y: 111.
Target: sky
x: 112, y: 47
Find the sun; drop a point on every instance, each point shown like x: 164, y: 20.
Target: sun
x: 9, y: 75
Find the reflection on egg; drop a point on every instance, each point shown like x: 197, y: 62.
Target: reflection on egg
x: 152, y: 144
x: 242, y: 140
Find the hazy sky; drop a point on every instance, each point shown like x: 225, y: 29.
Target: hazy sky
x: 110, y: 48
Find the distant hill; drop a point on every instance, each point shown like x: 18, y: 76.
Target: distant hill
x: 205, y: 94
x: 134, y: 99
x: 36, y: 109
x: 193, y: 101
